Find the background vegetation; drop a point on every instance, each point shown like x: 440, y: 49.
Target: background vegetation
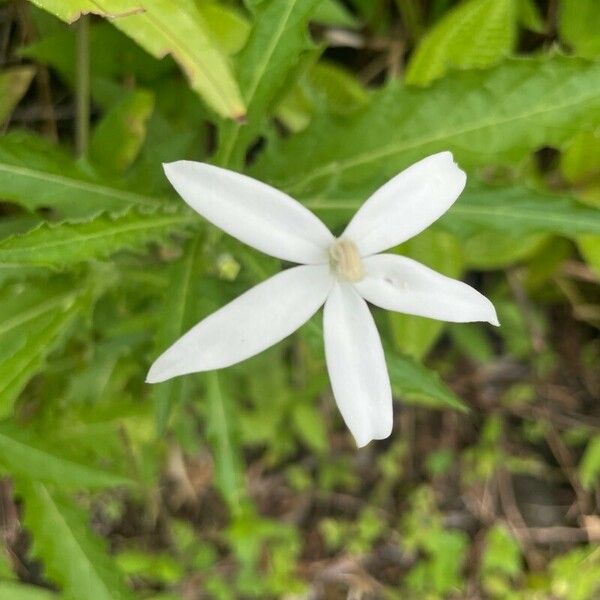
x: 245, y: 483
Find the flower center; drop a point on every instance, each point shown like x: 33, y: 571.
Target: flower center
x: 345, y: 260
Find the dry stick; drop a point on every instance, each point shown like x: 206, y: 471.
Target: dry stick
x: 564, y: 459
x: 515, y: 520
x: 82, y: 100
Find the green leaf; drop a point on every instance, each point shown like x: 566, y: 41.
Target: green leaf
x: 578, y: 25
x: 180, y: 305
x: 35, y: 174
x: 513, y: 210
x: 519, y: 210
x: 22, y: 455
x: 413, y: 382
x: 580, y: 159
x: 65, y: 244
x: 160, y: 30
x: 335, y: 14
x: 34, y: 321
x: 14, y: 82
x: 275, y: 44
x: 475, y: 34
x: 228, y: 27
x: 119, y: 137
x: 589, y: 246
x: 493, y: 116
x: 19, y: 591
x: 73, y: 556
x: 223, y: 440
x: 438, y: 250
x: 589, y: 467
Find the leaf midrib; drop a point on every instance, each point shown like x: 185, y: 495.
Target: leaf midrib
x: 338, y: 166
x: 80, y: 184
x: 113, y: 232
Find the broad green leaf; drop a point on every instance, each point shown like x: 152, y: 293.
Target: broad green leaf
x: 64, y: 244
x: 414, y: 383
x: 179, y: 305
x: 438, y: 250
x: 13, y: 85
x: 73, y: 556
x: 578, y: 24
x: 22, y: 455
x: 160, y: 30
x: 118, y: 138
x: 589, y: 467
x: 493, y: 116
x: 223, y: 440
x: 275, y: 44
x: 10, y: 590
x: 35, y: 173
x: 34, y: 321
x: 475, y: 34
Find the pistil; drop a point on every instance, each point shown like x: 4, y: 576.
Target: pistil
x: 345, y: 260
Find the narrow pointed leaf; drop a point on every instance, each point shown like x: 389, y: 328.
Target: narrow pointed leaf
x: 73, y: 556
x: 275, y: 44
x: 23, y: 456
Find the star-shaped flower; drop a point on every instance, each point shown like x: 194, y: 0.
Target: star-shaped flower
x: 341, y: 273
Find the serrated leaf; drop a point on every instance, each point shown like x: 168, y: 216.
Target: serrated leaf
x: 119, y: 137
x: 160, y: 30
x: 275, y: 44
x: 66, y: 244
x: 73, y: 556
x: 34, y: 321
x: 474, y: 34
x: 413, y: 382
x: 180, y: 306
x: 10, y: 590
x: 13, y: 85
x: 22, y: 455
x: 483, y: 117
x: 35, y: 174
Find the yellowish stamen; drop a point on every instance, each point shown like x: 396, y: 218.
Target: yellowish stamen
x: 345, y: 259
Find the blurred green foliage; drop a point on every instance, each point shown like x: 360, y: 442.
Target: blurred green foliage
x: 244, y: 483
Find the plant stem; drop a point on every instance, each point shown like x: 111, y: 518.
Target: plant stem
x: 82, y: 91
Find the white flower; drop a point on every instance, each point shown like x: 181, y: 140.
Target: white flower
x: 343, y: 274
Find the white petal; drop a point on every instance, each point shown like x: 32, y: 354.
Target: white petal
x: 407, y: 204
x: 252, y: 211
x: 399, y: 283
x: 356, y: 365
x: 257, y: 319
